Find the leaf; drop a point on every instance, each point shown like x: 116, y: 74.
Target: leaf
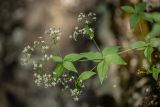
x: 154, y: 42
x: 140, y: 7
x: 148, y: 53
x: 57, y: 58
x: 59, y: 70
x: 86, y: 75
x: 69, y: 66
x: 72, y: 57
x: 111, y: 55
x: 148, y: 17
x: 155, y: 30
x: 128, y: 9
x: 114, y: 59
x: 156, y: 16
x: 139, y: 45
x: 110, y: 50
x: 92, y: 55
x: 134, y: 20
x: 102, y: 69
x: 155, y: 72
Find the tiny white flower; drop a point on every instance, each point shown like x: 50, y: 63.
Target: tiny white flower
x: 40, y: 65
x: 58, y: 38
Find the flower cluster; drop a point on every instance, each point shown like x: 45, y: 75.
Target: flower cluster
x: 44, y: 75
x: 87, y: 19
x: 54, y: 34
x: 66, y: 83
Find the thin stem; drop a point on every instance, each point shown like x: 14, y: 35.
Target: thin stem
x: 96, y: 45
x: 125, y: 51
x: 93, y: 68
x: 140, y: 28
x: 83, y: 60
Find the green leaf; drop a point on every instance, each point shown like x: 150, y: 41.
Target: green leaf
x: 140, y: 7
x: 86, y: 75
x: 92, y: 55
x: 154, y: 42
x: 102, y: 69
x: 59, y: 70
x: 155, y: 30
x: 155, y: 72
x: 72, y: 57
x: 139, y: 45
x: 57, y: 58
x: 156, y: 16
x: 110, y: 50
x: 148, y: 53
x: 114, y: 59
x: 148, y: 17
x: 69, y: 66
x: 128, y: 9
x: 134, y: 20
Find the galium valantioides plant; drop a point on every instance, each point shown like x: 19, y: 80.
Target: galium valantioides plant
x: 65, y: 75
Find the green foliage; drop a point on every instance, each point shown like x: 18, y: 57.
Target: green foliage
x: 59, y: 70
x: 86, y: 75
x: 102, y: 69
x: 140, y: 7
x: 73, y: 57
x: 138, y: 13
x: 128, y: 9
x: 110, y: 54
x: 148, y: 53
x: 69, y: 66
x: 139, y: 45
x: 110, y: 50
x: 57, y: 58
x: 155, y: 72
x: 155, y: 30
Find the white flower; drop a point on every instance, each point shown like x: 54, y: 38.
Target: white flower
x: 58, y: 38
x: 40, y: 65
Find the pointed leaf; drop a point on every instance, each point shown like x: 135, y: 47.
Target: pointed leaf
x: 114, y: 59
x: 140, y: 7
x: 139, y: 45
x: 59, y: 70
x: 72, y: 57
x: 155, y: 30
x: 92, y: 55
x: 57, y: 58
x: 154, y: 42
x: 69, y: 66
x: 86, y: 75
x: 102, y: 69
x: 155, y: 72
x: 110, y: 50
x: 148, y: 53
x: 134, y: 20
x: 156, y: 16
x: 128, y: 9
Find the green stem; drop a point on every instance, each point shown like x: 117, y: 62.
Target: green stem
x: 82, y: 60
x: 93, y: 68
x: 96, y: 45
x: 140, y: 28
x: 125, y: 51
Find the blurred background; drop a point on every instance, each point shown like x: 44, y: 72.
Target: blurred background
x: 22, y: 21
